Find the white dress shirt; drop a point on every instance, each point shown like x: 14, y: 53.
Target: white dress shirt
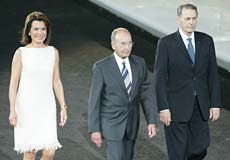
x: 120, y: 64
x: 185, y: 37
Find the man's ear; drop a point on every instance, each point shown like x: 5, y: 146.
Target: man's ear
x: 113, y: 45
x: 178, y: 20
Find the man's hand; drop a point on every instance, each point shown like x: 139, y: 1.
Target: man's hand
x: 151, y: 130
x: 214, y: 114
x: 96, y: 138
x: 165, y: 117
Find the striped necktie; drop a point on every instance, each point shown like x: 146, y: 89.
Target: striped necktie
x: 126, y: 78
x: 191, y: 50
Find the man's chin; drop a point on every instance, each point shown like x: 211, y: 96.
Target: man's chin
x: 126, y: 54
x: 191, y: 30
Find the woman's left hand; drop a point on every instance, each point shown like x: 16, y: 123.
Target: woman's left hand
x: 63, y: 116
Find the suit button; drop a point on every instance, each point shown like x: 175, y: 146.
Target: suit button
x: 194, y: 93
x: 194, y: 78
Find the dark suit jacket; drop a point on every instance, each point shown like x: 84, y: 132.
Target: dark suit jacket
x: 177, y: 79
x: 109, y: 109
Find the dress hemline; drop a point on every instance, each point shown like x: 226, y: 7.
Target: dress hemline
x: 37, y: 148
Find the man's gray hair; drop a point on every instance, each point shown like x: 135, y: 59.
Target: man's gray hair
x: 186, y: 6
x: 114, y: 33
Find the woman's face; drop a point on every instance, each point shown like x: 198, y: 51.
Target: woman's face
x: 38, y: 32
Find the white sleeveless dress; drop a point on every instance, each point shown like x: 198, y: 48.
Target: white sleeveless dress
x: 36, y: 128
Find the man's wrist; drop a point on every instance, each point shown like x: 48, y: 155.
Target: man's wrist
x: 215, y: 108
x: 165, y: 110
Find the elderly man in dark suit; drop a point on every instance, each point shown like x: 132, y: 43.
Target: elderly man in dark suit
x: 119, y: 85
x: 187, y: 87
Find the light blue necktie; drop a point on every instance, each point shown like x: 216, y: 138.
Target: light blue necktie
x: 126, y: 78
x: 191, y: 50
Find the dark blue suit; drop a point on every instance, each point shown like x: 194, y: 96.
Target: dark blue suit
x: 188, y: 90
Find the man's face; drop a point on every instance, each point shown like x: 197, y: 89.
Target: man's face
x: 187, y: 21
x: 122, y: 44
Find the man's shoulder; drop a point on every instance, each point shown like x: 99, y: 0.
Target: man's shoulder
x: 202, y: 34
x: 173, y: 36
x: 137, y: 59
x: 169, y: 37
x: 104, y: 61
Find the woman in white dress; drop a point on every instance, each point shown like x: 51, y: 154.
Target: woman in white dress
x: 34, y: 80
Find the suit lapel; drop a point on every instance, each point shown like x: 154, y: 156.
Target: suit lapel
x: 117, y: 74
x: 182, y: 46
x: 134, y: 74
x: 197, y: 47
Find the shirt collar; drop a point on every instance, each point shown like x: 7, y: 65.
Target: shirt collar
x: 120, y: 60
x: 185, y: 37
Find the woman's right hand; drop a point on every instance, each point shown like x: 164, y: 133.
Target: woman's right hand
x: 13, y: 118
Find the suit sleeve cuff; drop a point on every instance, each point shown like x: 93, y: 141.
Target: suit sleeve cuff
x: 164, y: 110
